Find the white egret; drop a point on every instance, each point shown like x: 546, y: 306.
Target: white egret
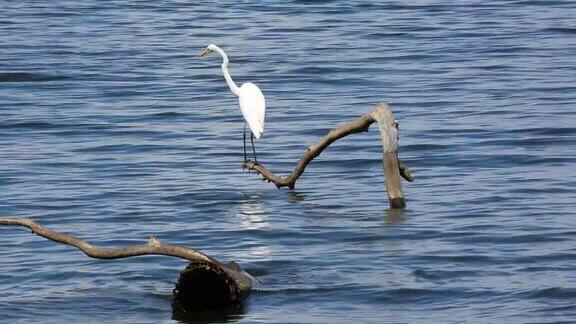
x: 252, y: 103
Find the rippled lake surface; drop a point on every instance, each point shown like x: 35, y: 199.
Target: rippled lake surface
x: 112, y: 129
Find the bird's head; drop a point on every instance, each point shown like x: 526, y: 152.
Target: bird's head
x: 207, y: 50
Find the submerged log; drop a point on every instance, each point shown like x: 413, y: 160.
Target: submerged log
x: 206, y: 283
x: 393, y: 169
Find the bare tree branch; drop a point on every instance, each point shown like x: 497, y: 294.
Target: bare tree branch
x: 388, y: 127
x: 154, y: 246
x: 205, y: 283
x: 359, y: 125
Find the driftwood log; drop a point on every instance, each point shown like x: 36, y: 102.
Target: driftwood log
x: 205, y: 284
x: 393, y: 169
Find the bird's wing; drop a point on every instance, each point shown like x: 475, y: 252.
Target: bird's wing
x: 253, y: 107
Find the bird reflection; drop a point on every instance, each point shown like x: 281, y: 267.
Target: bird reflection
x: 253, y: 216
x: 252, y: 213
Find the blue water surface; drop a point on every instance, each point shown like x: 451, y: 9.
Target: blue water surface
x: 111, y: 129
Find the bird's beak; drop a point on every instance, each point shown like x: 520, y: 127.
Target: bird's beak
x: 204, y: 52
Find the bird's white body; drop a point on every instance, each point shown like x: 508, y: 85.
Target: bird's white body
x: 252, y: 103
x: 253, y: 107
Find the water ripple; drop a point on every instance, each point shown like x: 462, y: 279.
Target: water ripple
x: 111, y: 129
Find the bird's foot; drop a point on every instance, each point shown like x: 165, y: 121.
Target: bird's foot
x: 246, y: 161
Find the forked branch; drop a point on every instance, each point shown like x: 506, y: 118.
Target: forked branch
x: 393, y: 169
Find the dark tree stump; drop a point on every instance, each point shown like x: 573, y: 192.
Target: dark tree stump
x: 205, y: 285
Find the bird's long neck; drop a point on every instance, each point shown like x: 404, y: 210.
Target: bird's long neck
x: 233, y: 87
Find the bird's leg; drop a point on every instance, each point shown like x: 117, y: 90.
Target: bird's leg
x: 253, y: 149
x: 244, y: 137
